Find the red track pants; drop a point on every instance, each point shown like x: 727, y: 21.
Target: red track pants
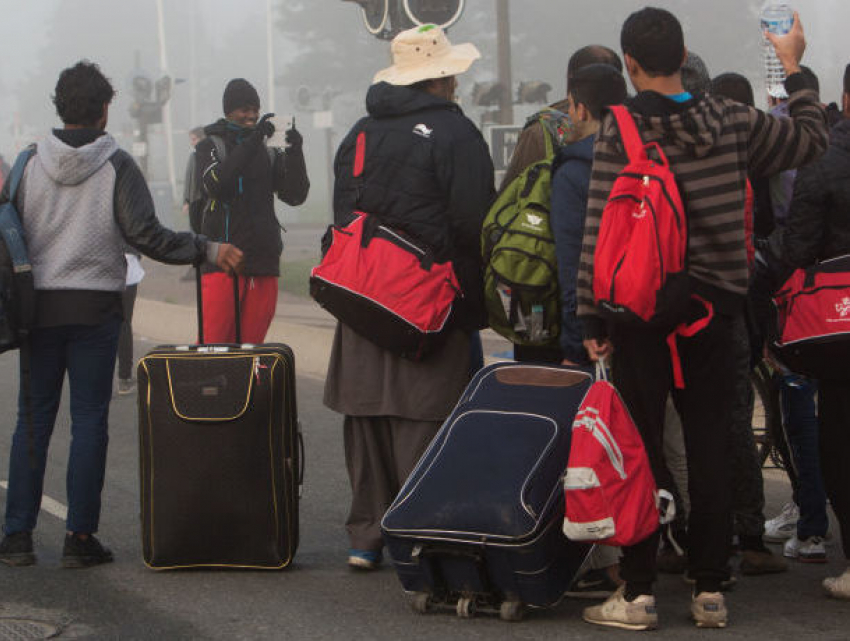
x: 258, y: 299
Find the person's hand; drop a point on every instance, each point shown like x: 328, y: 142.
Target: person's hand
x: 265, y: 127
x: 789, y: 47
x: 294, y: 140
x: 598, y: 349
x: 568, y: 363
x: 229, y: 258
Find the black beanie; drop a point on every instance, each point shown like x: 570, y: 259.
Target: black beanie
x: 239, y: 93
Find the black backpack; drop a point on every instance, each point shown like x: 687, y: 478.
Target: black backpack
x: 17, y: 291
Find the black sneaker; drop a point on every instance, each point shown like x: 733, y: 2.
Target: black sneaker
x: 16, y: 549
x: 593, y: 584
x: 83, y: 553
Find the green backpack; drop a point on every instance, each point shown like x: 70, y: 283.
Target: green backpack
x: 520, y: 266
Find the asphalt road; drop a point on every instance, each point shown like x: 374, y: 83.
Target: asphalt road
x: 319, y: 598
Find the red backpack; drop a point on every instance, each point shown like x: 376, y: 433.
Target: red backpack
x: 640, y: 264
x: 609, y: 489
x: 640, y: 271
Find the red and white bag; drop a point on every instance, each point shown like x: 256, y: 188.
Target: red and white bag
x: 386, y: 287
x: 814, y: 320
x: 610, y: 491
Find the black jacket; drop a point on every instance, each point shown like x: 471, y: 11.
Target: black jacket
x: 241, y: 188
x: 428, y: 173
x: 818, y: 224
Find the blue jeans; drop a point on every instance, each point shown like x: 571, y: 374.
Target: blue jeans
x: 800, y: 421
x: 87, y: 354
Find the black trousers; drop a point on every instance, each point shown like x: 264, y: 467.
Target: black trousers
x: 644, y: 378
x: 834, y: 419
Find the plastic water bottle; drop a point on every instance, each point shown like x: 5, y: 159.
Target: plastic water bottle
x: 776, y: 17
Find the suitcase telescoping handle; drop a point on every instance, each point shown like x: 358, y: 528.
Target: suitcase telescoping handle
x: 199, y: 297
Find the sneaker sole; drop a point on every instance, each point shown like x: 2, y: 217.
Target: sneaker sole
x: 710, y: 624
x: 779, y: 537
x: 76, y: 563
x: 18, y: 560
x: 621, y: 624
x: 806, y: 559
x: 362, y: 565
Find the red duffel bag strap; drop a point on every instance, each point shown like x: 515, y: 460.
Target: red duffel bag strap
x: 687, y: 330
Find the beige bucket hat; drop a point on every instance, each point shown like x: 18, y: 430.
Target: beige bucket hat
x: 423, y: 53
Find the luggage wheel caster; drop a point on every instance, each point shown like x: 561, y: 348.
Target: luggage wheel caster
x: 512, y: 611
x: 465, y: 607
x: 422, y: 602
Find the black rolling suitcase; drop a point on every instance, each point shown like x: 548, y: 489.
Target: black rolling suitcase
x: 221, y: 455
x: 478, y: 522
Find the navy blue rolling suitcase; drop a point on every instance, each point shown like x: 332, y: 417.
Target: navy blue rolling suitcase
x: 478, y: 523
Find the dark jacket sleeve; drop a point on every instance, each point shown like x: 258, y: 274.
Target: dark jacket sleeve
x: 465, y: 174
x: 220, y: 178
x: 136, y: 217
x: 777, y: 143
x: 290, y: 181
x: 800, y: 241
x: 569, y: 203
x: 608, y: 161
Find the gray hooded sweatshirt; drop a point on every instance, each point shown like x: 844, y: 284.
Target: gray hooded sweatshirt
x: 80, y: 204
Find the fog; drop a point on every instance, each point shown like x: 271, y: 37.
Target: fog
x: 323, y: 46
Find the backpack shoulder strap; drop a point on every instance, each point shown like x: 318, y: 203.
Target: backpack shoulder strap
x: 18, y: 171
x: 220, y: 149
x: 632, y: 141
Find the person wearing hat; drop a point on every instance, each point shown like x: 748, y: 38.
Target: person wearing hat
x: 427, y: 172
x: 240, y: 176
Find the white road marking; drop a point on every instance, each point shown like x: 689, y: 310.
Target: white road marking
x: 49, y: 505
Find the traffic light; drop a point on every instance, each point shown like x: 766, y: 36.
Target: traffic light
x: 303, y: 98
x: 534, y: 91
x: 375, y: 15
x: 387, y: 18
x: 439, y: 12
x: 486, y: 94
x: 148, y: 98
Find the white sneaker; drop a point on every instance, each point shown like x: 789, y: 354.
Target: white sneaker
x: 783, y: 526
x: 616, y: 612
x: 810, y: 550
x: 838, y: 587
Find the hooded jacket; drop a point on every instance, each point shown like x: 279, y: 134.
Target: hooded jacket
x: 818, y: 225
x: 80, y: 199
x: 241, y: 188
x: 712, y: 145
x: 570, y: 183
x: 428, y: 173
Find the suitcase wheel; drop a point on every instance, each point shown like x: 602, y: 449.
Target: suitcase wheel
x: 512, y: 611
x: 422, y: 602
x: 466, y: 607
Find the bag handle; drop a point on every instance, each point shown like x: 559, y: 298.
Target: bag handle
x: 601, y: 370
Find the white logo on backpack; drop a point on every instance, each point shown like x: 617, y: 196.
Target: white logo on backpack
x: 422, y: 130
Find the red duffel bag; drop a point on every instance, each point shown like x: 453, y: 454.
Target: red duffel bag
x: 813, y: 309
x: 386, y: 287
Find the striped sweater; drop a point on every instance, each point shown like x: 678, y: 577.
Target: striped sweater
x: 712, y: 144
